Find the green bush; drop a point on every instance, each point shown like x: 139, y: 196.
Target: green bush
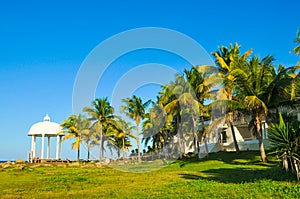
x: 285, y: 142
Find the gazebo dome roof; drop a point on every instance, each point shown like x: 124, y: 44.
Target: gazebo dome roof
x: 46, y: 127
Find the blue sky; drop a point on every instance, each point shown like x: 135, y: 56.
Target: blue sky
x: 43, y: 43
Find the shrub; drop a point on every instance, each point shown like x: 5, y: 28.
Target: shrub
x: 285, y: 142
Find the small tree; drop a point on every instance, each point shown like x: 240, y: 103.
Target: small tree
x: 285, y: 140
x: 74, y: 127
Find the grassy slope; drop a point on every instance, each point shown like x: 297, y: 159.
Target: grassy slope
x: 222, y: 175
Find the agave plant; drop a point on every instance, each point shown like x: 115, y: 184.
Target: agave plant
x: 285, y: 141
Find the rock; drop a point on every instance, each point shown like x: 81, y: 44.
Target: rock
x: 6, y: 165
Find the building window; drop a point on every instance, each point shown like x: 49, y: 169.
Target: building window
x: 223, y: 137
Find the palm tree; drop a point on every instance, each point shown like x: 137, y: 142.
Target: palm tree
x: 75, y: 127
x: 155, y: 128
x: 254, y: 85
x: 296, y: 50
x: 203, y: 91
x: 173, y: 117
x: 135, y: 109
x: 261, y: 88
x: 229, y: 63
x: 102, y: 113
x: 171, y: 105
x: 89, y: 137
x: 285, y: 89
x: 119, y: 135
x: 182, y: 106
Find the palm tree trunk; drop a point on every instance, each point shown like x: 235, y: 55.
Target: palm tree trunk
x: 78, y: 153
x: 179, y: 137
x: 173, y: 145
x: 260, y: 140
x: 138, y: 141
x: 285, y: 163
x: 165, y: 145
x: 123, y: 147
x: 119, y: 153
x: 196, y: 149
x: 231, y: 125
x: 296, y: 165
x: 203, y: 129
x: 202, y: 123
x: 181, y: 140
x: 233, y: 132
x: 101, y: 141
x: 88, y: 155
x: 205, y: 143
x: 237, y: 149
x: 180, y: 144
x: 204, y: 138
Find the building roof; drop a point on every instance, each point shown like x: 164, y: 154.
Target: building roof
x: 46, y: 128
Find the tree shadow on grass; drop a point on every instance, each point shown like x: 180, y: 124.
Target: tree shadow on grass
x: 241, y: 175
x: 246, y: 167
x: 242, y: 158
x: 190, y: 176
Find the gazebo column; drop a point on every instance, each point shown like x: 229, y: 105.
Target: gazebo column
x: 57, y: 147
x: 48, y: 148
x: 42, y: 151
x: 60, y: 147
x: 34, y: 146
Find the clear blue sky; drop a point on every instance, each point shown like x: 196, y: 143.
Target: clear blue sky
x: 43, y: 43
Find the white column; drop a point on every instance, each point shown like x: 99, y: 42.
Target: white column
x: 34, y: 146
x: 42, y: 151
x: 60, y: 147
x: 48, y: 148
x: 31, y: 152
x: 57, y: 147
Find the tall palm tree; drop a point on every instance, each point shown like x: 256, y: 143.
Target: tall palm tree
x: 155, y: 128
x: 255, y: 86
x: 172, y: 124
x: 262, y: 89
x: 102, y: 113
x: 135, y: 109
x: 74, y: 127
x: 229, y: 62
x: 180, y: 103
x: 203, y: 91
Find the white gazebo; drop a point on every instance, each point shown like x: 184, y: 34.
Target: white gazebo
x: 45, y: 129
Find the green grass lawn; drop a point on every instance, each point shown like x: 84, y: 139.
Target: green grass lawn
x: 222, y: 175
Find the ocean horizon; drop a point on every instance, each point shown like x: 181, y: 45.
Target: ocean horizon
x: 3, y: 161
